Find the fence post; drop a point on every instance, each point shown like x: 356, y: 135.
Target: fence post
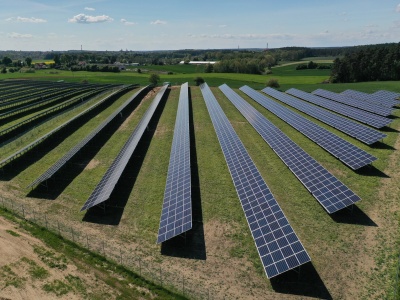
x: 120, y: 252
x: 183, y: 285
x: 58, y: 226
x: 160, y: 276
x: 140, y: 267
x: 34, y: 217
x: 104, y: 252
x: 72, y: 232
x: 23, y: 211
x: 87, y: 241
x: 45, y: 218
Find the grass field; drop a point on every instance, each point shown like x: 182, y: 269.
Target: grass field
x: 354, y: 253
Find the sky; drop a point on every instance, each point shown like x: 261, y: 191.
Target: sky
x: 45, y: 25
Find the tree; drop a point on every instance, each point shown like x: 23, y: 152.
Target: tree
x: 273, y: 83
x: 154, y: 79
x: 57, y: 59
x: 208, y: 68
x: 4, y: 71
x: 28, y: 61
x: 6, y: 61
x: 199, y: 80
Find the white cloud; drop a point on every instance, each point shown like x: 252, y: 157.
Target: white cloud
x: 85, y: 19
x: 223, y: 26
x: 398, y: 8
x: 127, y: 23
x: 15, y: 35
x: 89, y: 8
x: 26, y: 20
x: 158, y: 22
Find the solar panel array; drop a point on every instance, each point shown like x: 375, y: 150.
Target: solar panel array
x: 372, y: 98
x: 374, y: 108
x: 349, y: 154
x: 348, y: 111
x: 387, y: 95
x: 106, y: 185
x: 63, y: 160
x: 277, y: 244
x: 176, y: 215
x: 361, y: 132
x: 36, y: 142
x: 332, y: 194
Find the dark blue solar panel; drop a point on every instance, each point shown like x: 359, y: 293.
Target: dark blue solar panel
x: 63, y: 160
x: 348, y: 111
x: 388, y: 96
x: 176, y: 215
x: 106, y: 185
x: 373, y: 98
x: 361, y: 132
x: 349, y: 154
x: 367, y: 106
x: 332, y: 194
x: 278, y: 246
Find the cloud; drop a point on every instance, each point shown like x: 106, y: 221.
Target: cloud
x: 15, y: 35
x: 89, y: 8
x: 127, y: 23
x: 26, y: 20
x: 222, y: 26
x: 398, y: 8
x: 85, y: 19
x: 158, y: 22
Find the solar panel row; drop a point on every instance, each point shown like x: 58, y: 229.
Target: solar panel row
x: 176, y: 215
x: 348, y: 111
x: 63, y: 160
x: 372, y: 98
x: 332, y: 194
x: 106, y: 185
x: 36, y: 142
x: 387, y: 95
x: 374, y: 108
x: 361, y: 132
x: 277, y: 244
x: 349, y: 154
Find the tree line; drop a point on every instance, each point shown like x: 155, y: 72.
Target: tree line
x: 368, y: 63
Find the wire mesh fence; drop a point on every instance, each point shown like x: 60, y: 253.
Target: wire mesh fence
x: 149, y: 270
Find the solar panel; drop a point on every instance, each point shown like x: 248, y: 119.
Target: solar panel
x: 63, y: 160
x: 176, y: 215
x: 361, y: 132
x: 349, y: 154
x: 387, y: 94
x: 348, y: 111
x: 106, y: 185
x: 277, y: 244
x: 374, y: 108
x: 332, y: 194
x: 373, y: 98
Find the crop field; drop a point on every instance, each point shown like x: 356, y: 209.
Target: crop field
x: 354, y: 253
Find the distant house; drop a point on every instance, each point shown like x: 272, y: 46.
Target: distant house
x: 39, y: 66
x: 195, y: 62
x: 120, y: 66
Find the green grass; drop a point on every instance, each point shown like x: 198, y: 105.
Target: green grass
x: 36, y: 272
x: 57, y: 287
x: 13, y: 233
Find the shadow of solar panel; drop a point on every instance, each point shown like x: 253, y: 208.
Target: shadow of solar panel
x: 106, y: 185
x: 277, y: 244
x: 367, y: 106
x: 361, y: 132
x: 346, y: 152
x: 176, y: 215
x: 372, y: 98
x: 332, y: 194
x: 63, y: 160
x: 345, y: 110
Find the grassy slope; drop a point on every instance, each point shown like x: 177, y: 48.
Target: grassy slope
x: 329, y: 242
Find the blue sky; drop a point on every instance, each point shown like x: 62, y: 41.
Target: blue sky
x: 178, y: 24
